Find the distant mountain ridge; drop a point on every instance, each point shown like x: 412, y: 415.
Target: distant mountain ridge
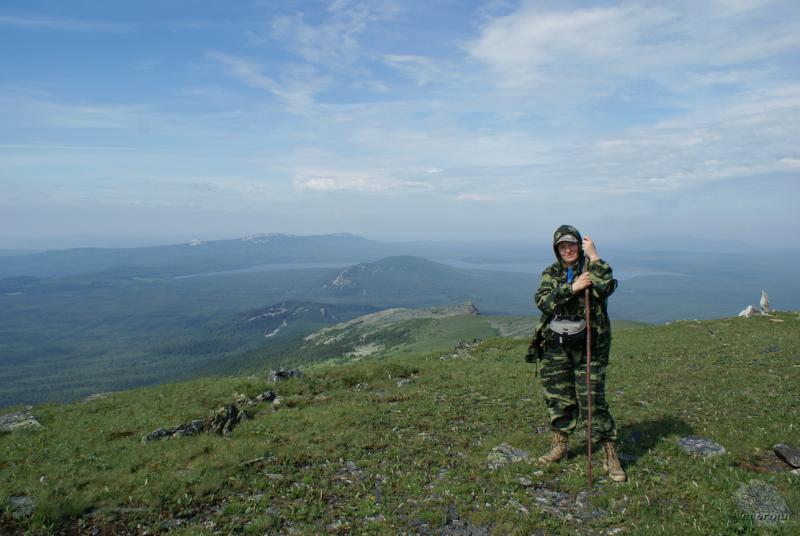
x: 197, y: 256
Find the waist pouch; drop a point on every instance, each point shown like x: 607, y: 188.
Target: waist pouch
x: 568, y: 329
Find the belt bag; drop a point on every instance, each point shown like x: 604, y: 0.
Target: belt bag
x: 567, y: 326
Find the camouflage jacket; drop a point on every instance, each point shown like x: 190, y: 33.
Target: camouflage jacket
x: 555, y: 297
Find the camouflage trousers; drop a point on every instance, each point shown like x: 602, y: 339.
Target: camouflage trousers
x: 564, y: 383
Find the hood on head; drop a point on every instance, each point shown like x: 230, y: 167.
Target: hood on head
x: 568, y: 230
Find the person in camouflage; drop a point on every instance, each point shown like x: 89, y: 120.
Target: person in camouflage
x: 561, y: 295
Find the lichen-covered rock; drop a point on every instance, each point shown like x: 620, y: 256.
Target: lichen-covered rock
x: 700, y: 446
x: 225, y: 419
x: 188, y: 429
x: 790, y: 455
x: 505, y: 454
x: 280, y: 374
x: 19, y: 420
x: 21, y: 506
x: 761, y: 502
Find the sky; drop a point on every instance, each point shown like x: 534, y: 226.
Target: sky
x: 131, y: 123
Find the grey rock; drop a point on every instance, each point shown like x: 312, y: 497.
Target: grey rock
x: 349, y: 472
x: 19, y: 420
x: 761, y: 502
x: 21, y: 506
x: 505, y: 454
x: 244, y: 400
x: 699, y: 446
x: 790, y: 455
x: 566, y: 506
x: 225, y: 419
x: 404, y: 381
x: 188, y: 429
x: 281, y: 373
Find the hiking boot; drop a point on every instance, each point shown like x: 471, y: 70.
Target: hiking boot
x: 558, y: 448
x: 612, y: 464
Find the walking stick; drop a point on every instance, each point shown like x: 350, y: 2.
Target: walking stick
x: 587, y: 317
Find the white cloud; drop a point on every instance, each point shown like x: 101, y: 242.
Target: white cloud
x: 596, y: 46
x: 322, y: 180
x: 421, y: 69
x: 334, y: 42
x: 296, y: 89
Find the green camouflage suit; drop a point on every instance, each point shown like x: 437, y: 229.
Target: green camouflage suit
x: 564, y: 364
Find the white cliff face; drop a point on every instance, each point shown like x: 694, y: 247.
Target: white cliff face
x: 269, y: 313
x: 276, y: 330
x: 343, y: 279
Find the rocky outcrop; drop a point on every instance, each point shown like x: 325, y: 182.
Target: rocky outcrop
x: 19, y: 420
x: 221, y: 422
x: 191, y: 428
x: 225, y: 419
x: 762, y: 309
x: 280, y: 374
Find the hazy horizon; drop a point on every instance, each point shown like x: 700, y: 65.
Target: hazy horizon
x: 536, y: 240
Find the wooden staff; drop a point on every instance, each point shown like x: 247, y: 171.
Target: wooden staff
x: 587, y: 317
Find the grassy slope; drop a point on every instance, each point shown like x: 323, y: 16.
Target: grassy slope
x: 422, y: 448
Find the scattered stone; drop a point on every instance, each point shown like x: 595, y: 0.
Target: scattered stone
x: 795, y: 472
x: 349, y: 472
x: 541, y: 429
x: 504, y: 454
x: 404, y: 381
x: 463, y: 349
x: 225, y: 419
x: 762, y: 503
x: 337, y: 525
x: 790, y: 455
x: 19, y: 420
x: 565, y: 506
x: 699, y: 446
x: 513, y: 503
x: 280, y: 374
x: 21, y: 506
x: 771, y: 350
x: 191, y: 428
x: 776, y: 320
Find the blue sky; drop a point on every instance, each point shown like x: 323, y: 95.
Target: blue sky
x: 137, y: 122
